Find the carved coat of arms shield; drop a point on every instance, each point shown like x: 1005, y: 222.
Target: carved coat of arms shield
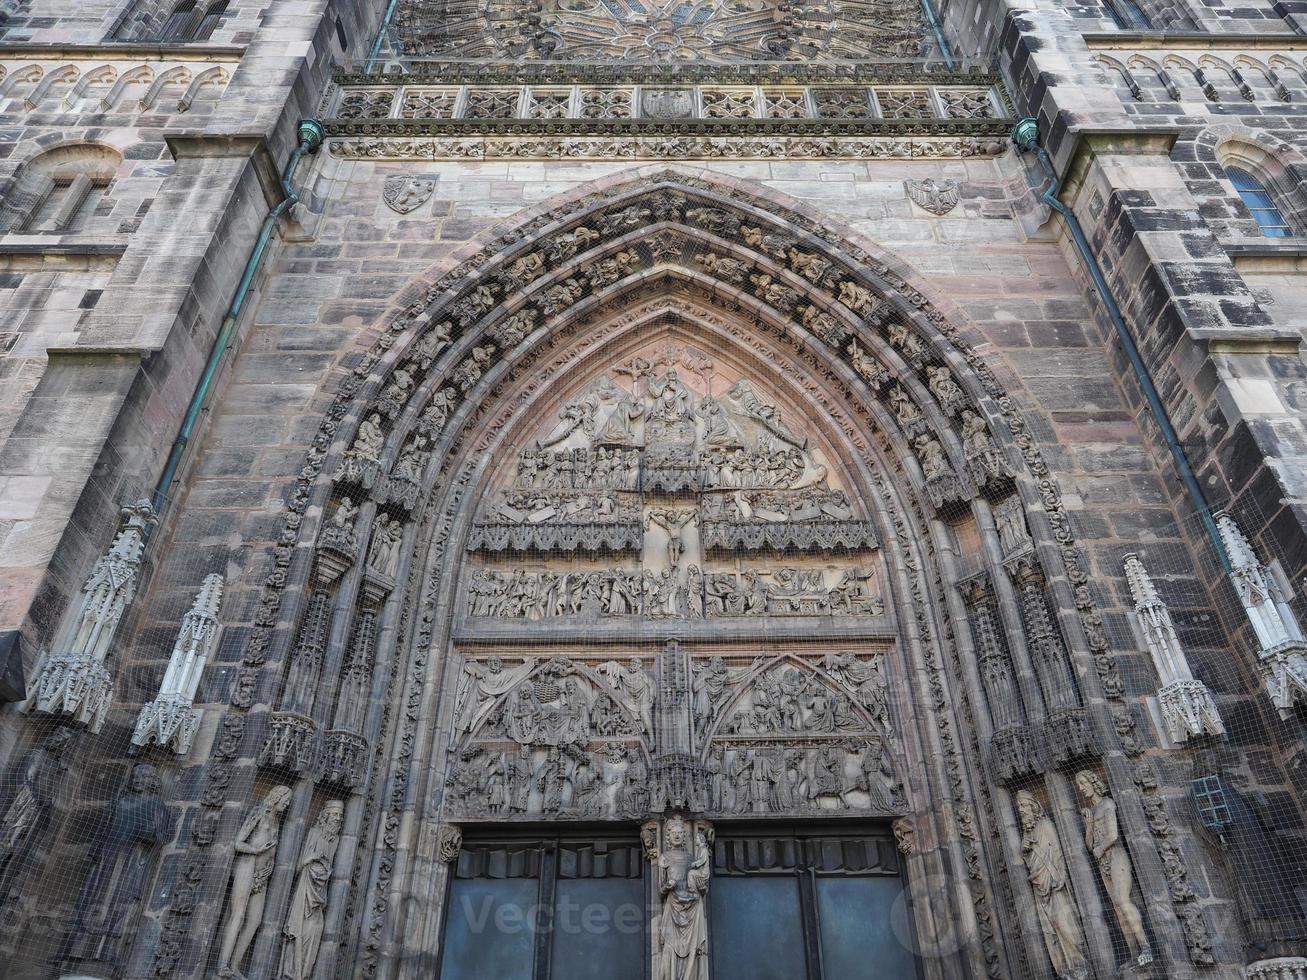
x: 404, y: 192
x: 936, y: 196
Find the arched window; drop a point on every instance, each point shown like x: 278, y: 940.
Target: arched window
x: 1258, y: 200
x: 212, y: 17
x: 178, y: 26
x: 60, y: 191
x: 1129, y: 16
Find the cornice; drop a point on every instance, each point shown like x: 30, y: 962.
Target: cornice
x: 123, y: 52
x: 1192, y: 40
x: 565, y: 128
x: 574, y: 73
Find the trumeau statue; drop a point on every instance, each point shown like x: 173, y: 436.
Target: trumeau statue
x: 1046, y: 869
x: 1103, y: 838
x: 308, y: 904
x: 138, y: 824
x: 683, y: 875
x: 256, y: 853
x: 39, y: 777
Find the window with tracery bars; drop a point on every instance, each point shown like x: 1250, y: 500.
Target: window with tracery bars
x: 1129, y: 16
x: 212, y: 18
x: 1270, y: 219
x: 177, y: 26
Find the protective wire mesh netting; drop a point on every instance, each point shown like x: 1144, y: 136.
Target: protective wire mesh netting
x: 675, y: 551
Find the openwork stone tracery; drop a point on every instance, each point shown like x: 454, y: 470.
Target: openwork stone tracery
x: 663, y: 30
x: 910, y: 416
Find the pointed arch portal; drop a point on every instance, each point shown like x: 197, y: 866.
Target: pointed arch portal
x: 670, y: 509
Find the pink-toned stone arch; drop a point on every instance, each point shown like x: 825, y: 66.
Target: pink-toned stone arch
x: 473, y: 292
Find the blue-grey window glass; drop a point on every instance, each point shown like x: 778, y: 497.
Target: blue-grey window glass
x: 1128, y: 15
x: 599, y: 929
x: 489, y: 930
x: 178, y: 25
x: 863, y: 927
x: 1259, y: 201
x: 756, y: 929
x: 212, y: 18
x: 803, y: 906
x: 1213, y: 808
x: 560, y: 908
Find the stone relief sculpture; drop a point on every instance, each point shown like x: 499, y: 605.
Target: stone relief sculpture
x: 550, y: 737
x: 407, y: 192
x: 559, y: 737
x: 1046, y: 868
x: 383, y: 552
x: 1188, y: 710
x: 576, y: 488
x: 683, y: 875
x: 629, y: 592
x: 669, y: 32
x: 256, y: 853
x: 1103, y: 838
x: 939, y: 197
x: 39, y: 778
x: 636, y: 685
x: 138, y: 824
x: 306, y: 919
x: 73, y: 680
x: 171, y: 718
x: 361, y: 463
x: 339, y: 532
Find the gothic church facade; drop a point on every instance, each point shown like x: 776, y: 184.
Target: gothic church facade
x: 653, y: 489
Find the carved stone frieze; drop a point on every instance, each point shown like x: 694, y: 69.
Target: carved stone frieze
x: 690, y: 146
x: 631, y: 592
x: 1278, y: 968
x: 565, y: 738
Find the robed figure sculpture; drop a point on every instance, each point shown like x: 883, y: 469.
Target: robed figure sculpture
x: 683, y: 924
